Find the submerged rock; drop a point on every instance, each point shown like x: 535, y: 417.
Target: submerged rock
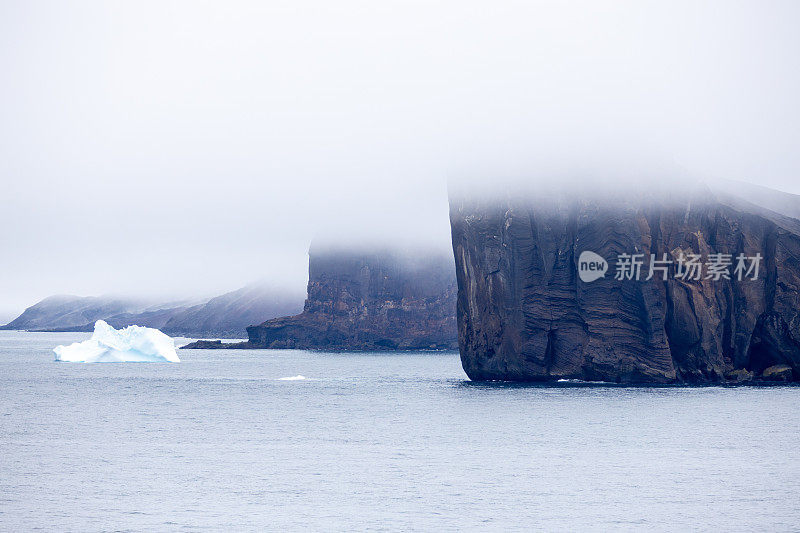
x: 525, y: 314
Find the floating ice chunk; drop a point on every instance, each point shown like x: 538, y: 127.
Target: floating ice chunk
x: 292, y: 378
x: 108, y: 345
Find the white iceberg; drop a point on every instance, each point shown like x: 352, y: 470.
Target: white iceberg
x: 292, y: 378
x: 108, y: 345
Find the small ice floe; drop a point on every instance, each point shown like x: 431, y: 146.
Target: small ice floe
x: 585, y: 382
x: 108, y: 345
x: 292, y: 378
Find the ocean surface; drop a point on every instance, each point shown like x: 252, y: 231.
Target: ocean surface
x: 378, y: 442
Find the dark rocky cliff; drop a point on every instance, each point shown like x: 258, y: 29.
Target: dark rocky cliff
x: 370, y: 301
x: 524, y: 314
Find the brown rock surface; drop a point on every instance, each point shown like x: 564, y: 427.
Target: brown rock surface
x: 369, y: 301
x: 524, y: 314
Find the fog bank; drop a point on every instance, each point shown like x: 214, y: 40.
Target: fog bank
x: 189, y: 148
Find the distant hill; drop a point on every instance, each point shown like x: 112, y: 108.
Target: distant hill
x: 228, y: 315
x: 67, y: 311
x: 223, y: 316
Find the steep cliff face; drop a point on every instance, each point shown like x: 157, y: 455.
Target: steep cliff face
x: 524, y: 313
x: 370, y: 301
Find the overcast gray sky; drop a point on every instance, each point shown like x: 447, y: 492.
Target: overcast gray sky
x: 188, y: 148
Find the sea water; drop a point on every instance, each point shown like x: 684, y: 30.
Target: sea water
x: 224, y: 441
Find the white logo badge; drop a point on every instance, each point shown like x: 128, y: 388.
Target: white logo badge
x: 591, y: 266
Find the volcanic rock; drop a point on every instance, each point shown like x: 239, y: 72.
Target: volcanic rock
x: 524, y: 313
x: 370, y: 300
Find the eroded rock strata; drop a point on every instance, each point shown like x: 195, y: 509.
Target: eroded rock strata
x: 524, y: 314
x: 367, y: 301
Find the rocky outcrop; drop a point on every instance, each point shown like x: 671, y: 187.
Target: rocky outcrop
x: 213, y: 345
x: 524, y: 313
x: 369, y: 301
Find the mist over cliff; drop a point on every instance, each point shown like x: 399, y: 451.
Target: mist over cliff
x: 230, y: 135
x: 526, y: 312
x: 370, y: 299
x: 226, y: 315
